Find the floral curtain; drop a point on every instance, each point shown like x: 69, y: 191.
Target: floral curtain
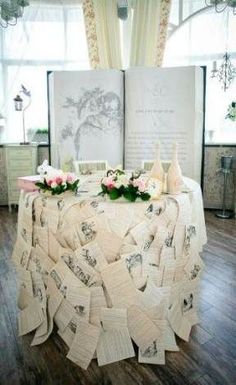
x: 91, y: 33
x: 103, y: 33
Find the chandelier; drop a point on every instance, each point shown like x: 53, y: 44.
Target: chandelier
x: 221, y: 5
x: 225, y: 73
x: 11, y: 10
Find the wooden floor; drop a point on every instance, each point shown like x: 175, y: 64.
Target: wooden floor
x: 208, y: 359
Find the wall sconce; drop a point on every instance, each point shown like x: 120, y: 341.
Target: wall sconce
x: 22, y: 105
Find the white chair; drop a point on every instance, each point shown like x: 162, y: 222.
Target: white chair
x: 86, y: 167
x: 147, y: 164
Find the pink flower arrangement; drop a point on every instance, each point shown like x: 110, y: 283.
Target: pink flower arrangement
x: 116, y: 184
x: 57, y: 181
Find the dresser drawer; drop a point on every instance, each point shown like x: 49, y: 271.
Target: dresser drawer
x: 15, y: 173
x: 19, y: 153
x: 20, y: 164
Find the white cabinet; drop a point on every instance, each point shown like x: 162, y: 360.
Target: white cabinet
x: 21, y: 160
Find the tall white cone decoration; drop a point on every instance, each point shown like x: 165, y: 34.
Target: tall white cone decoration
x: 157, y: 171
x: 174, y: 175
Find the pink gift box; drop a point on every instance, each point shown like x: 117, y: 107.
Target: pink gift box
x: 27, y: 183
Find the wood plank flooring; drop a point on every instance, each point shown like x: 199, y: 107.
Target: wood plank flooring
x: 208, y: 359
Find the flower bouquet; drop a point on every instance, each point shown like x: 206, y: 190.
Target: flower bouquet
x: 231, y: 112
x: 56, y: 181
x: 116, y: 184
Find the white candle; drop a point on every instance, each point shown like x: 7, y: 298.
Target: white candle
x: 214, y: 65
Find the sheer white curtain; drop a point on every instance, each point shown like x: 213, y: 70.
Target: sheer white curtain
x: 149, y: 31
x: 50, y: 36
x: 200, y: 41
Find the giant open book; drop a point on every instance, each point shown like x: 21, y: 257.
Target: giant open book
x: 119, y: 116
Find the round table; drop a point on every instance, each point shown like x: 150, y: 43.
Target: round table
x: 108, y: 273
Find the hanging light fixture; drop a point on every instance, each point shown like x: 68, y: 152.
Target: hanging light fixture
x: 11, y: 10
x: 225, y: 73
x: 221, y: 5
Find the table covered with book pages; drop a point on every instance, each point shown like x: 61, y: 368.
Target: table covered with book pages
x: 109, y: 274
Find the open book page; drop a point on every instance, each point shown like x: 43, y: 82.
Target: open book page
x: 95, y: 131
x: 154, y: 111
x: 84, y: 344
x: 30, y: 318
x: 114, y: 342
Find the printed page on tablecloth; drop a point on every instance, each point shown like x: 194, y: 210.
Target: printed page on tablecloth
x: 86, y: 116
x: 164, y: 104
x: 114, y: 343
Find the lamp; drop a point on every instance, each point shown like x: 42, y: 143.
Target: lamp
x: 226, y: 72
x: 221, y: 5
x: 19, y: 106
x: 11, y: 10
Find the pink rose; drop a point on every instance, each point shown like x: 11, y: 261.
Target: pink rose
x: 53, y: 184
x: 110, y: 185
x: 70, y: 178
x: 140, y: 184
x: 58, y: 180
x: 49, y: 182
x: 108, y: 182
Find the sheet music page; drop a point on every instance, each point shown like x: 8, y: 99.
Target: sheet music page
x: 164, y: 104
x: 30, y: 318
x: 114, y: 342
x: 84, y: 344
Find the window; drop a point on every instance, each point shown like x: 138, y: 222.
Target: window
x: 48, y: 37
x: 199, y: 41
